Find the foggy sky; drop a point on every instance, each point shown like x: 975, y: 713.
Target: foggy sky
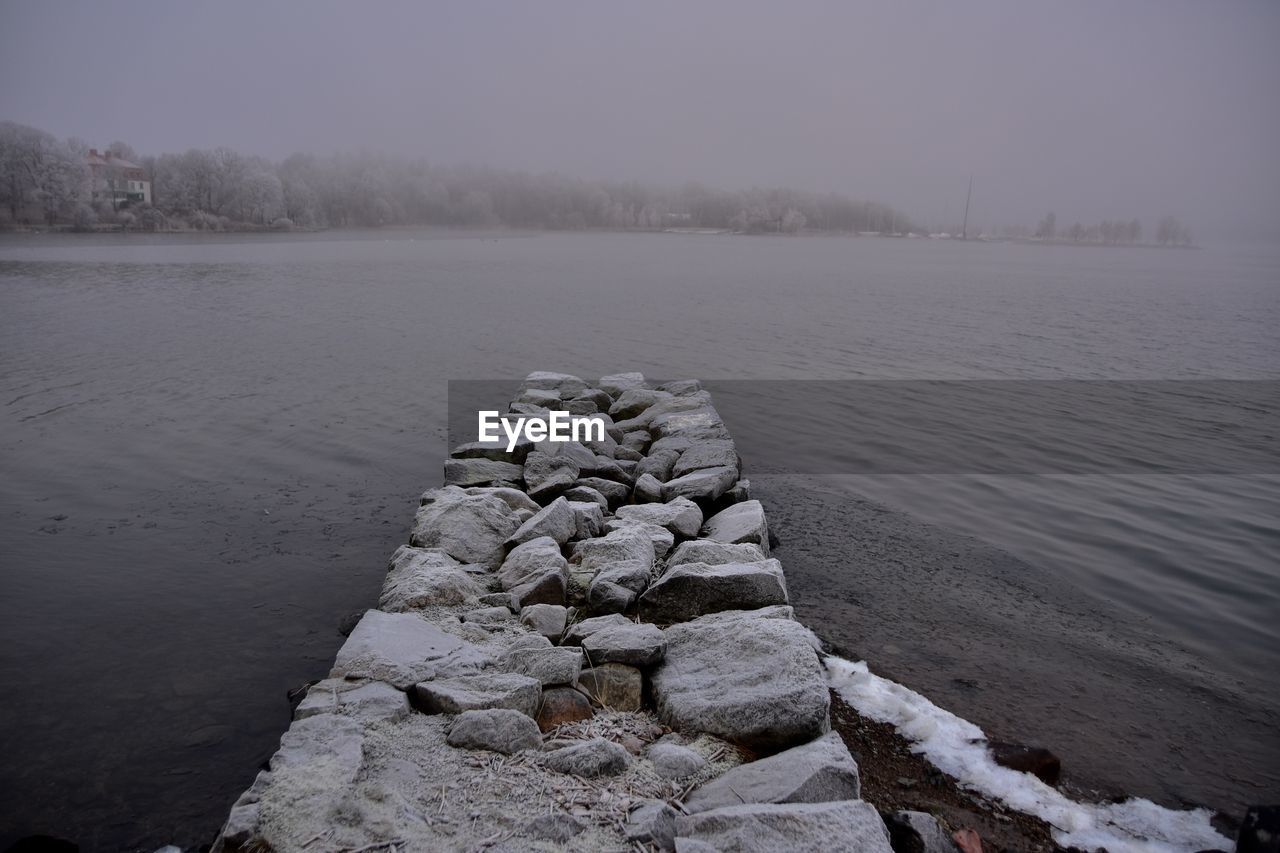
x: 1094, y: 109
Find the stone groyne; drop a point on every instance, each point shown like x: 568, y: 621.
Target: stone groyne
x: 584, y: 646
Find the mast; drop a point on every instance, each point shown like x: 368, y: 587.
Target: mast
x: 964, y: 229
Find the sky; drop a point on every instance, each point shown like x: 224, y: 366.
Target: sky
x: 1095, y: 110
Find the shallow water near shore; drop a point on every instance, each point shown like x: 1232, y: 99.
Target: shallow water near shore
x: 212, y: 445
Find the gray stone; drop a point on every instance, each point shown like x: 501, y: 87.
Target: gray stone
x: 662, y: 539
x: 690, y: 590
x: 588, y: 518
x: 581, y: 455
x: 497, y: 729
x: 615, y: 494
x: 614, y: 384
x: 596, y: 757
x: 707, y: 454
x: 617, y: 584
x: 672, y: 761
x: 600, y: 399
x: 488, y: 616
x: 547, y: 476
x: 497, y: 451
x: 626, y: 454
x: 554, y: 665
x: 513, y: 498
x: 241, y: 828
x: 562, y: 383
x: 633, y: 401
x: 757, y: 681
x: 613, y: 685
x: 535, y: 573
x: 787, y: 828
x: 403, y: 649
x: 658, y: 464
x: 546, y: 619
x: 469, y: 528
x: 578, y: 631
x: 614, y: 470
x: 480, y: 472
x: 743, y: 522
x: 714, y: 553
x: 496, y: 599
x: 639, y: 645
x: 652, y: 822
x: 327, y: 746
x: 703, y: 485
x: 556, y: 521
x: 587, y: 494
x: 546, y: 399
x: 648, y: 490
x: 637, y: 440
x: 369, y: 700
x: 627, y: 544
x: 681, y: 387
x: 479, y: 692
x: 776, y: 611
x: 697, y: 424
x: 918, y: 832
x: 426, y: 577
x: 740, y: 493
x: 681, y: 516
x: 559, y: 827
x: 820, y: 771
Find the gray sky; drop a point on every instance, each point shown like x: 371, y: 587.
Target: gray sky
x: 1093, y: 109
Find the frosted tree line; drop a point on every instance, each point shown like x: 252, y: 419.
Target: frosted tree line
x: 46, y: 180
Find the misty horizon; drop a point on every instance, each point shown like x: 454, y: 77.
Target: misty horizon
x: 1093, y: 113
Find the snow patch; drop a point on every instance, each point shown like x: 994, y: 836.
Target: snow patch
x: 958, y: 747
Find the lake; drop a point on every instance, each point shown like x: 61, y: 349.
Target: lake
x: 212, y: 444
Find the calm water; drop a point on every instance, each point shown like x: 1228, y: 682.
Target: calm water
x: 211, y: 446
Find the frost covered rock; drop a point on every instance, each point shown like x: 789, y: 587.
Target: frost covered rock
x: 371, y: 700
x: 549, y: 665
x: 403, y: 649
x: 481, y: 691
x: 546, y: 619
x: 555, y: 521
x: 639, y: 645
x: 619, y: 545
x: 489, y: 616
x: 663, y: 540
x: 690, y: 590
x: 616, y: 383
x: 633, y: 401
x: 575, y: 633
x: 565, y: 385
x: 535, y: 573
x: 652, y: 822
x: 586, y: 494
x: 613, y: 685
x: 480, y: 472
x: 758, y: 681
x: 681, y: 516
x: 647, y: 490
x: 658, y: 465
x: 497, y: 451
x: 426, y: 577
x: 588, y: 518
x: 707, y: 454
x: 596, y: 757
x: 327, y: 745
x: 704, y: 485
x: 743, y: 522
x: 469, y: 528
x: 559, y: 827
x: 241, y: 827
x: 616, y: 585
x: 547, y: 476
x: 497, y: 729
x: 714, y: 553
x: 615, y: 493
x: 816, y: 772
x: 672, y: 761
x: 789, y: 828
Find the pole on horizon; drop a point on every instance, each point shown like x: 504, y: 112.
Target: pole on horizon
x: 964, y: 229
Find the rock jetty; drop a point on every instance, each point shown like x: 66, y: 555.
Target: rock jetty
x: 583, y: 646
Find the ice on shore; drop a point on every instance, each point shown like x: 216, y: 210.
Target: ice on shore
x: 958, y: 747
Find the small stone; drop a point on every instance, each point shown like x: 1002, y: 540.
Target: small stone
x: 917, y: 832
x: 546, y: 619
x: 552, y: 665
x: 575, y: 633
x: 613, y: 685
x: 498, y: 729
x: 479, y: 692
x: 672, y: 761
x: 652, y: 822
x: 1035, y: 760
x: 488, y: 616
x: 559, y: 827
x: 615, y: 494
x: 596, y: 757
x: 562, y: 705
x: 640, y: 645
x: 496, y: 599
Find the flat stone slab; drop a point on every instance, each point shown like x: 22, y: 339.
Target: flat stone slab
x: 757, y: 681
x: 426, y: 577
x: 790, y: 828
x: 549, y: 665
x: 742, y: 522
x: 372, y: 700
x: 704, y: 485
x: 469, y: 528
x: 820, y: 771
x: 497, y: 729
x: 715, y: 553
x: 707, y: 454
x: 576, y: 632
x: 479, y: 692
x: 327, y: 745
x: 639, y: 645
x: 403, y: 649
x: 691, y: 590
x: 480, y: 472
x: 680, y: 516
x: 626, y: 544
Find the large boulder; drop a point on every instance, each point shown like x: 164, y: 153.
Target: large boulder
x: 615, y: 493
x: 626, y: 544
x: 480, y: 472
x: 513, y: 498
x: 547, y: 476
x: 595, y: 757
x: 702, y: 486
x: 556, y: 521
x: 469, y: 528
x: 403, y: 649
x: 714, y: 553
x: 426, y: 577
x: 658, y: 465
x: 647, y: 490
x: 691, y: 590
x: 820, y: 771
x: 498, y: 729
x: 707, y: 454
x: 633, y: 401
x: 639, y: 645
x: 586, y: 494
x: 663, y: 539
x: 681, y: 516
x: 757, y: 681
x: 742, y: 522
x: 588, y: 519
x: 328, y: 747
x: 479, y: 692
x: 787, y: 828
x: 535, y: 573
